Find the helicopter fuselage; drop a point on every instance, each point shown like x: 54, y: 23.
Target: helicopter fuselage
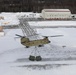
x: 26, y: 42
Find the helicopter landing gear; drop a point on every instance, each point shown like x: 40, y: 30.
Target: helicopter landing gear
x: 27, y: 46
x: 40, y: 46
x: 49, y: 41
x: 33, y: 58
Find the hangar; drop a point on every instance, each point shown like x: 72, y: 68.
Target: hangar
x: 56, y: 14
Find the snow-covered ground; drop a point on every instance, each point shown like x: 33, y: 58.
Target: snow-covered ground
x: 59, y: 57
x: 48, y: 24
x: 13, y: 56
x: 9, y: 19
x: 12, y: 18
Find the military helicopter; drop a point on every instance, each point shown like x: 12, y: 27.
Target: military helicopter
x: 31, y: 38
x: 40, y: 42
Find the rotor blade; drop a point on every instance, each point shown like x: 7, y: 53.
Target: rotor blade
x: 54, y: 36
x: 57, y: 35
x: 18, y: 35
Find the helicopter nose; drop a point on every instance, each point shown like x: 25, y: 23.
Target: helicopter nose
x: 49, y: 41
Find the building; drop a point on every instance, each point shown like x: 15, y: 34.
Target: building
x: 1, y: 31
x: 36, y: 5
x: 56, y: 14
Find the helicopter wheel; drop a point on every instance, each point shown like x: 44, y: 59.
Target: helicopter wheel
x: 38, y: 58
x: 27, y: 46
x: 49, y: 41
x: 32, y: 58
x: 40, y: 45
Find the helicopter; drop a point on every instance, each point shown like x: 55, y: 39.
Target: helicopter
x: 40, y: 42
x: 26, y: 42
x: 31, y: 38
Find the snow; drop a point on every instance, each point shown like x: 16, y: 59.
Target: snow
x: 11, y: 53
x: 59, y: 57
x: 48, y: 24
x: 63, y: 70
x: 9, y: 19
x: 12, y: 19
x: 9, y: 41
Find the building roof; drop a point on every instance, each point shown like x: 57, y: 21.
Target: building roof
x: 56, y: 10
